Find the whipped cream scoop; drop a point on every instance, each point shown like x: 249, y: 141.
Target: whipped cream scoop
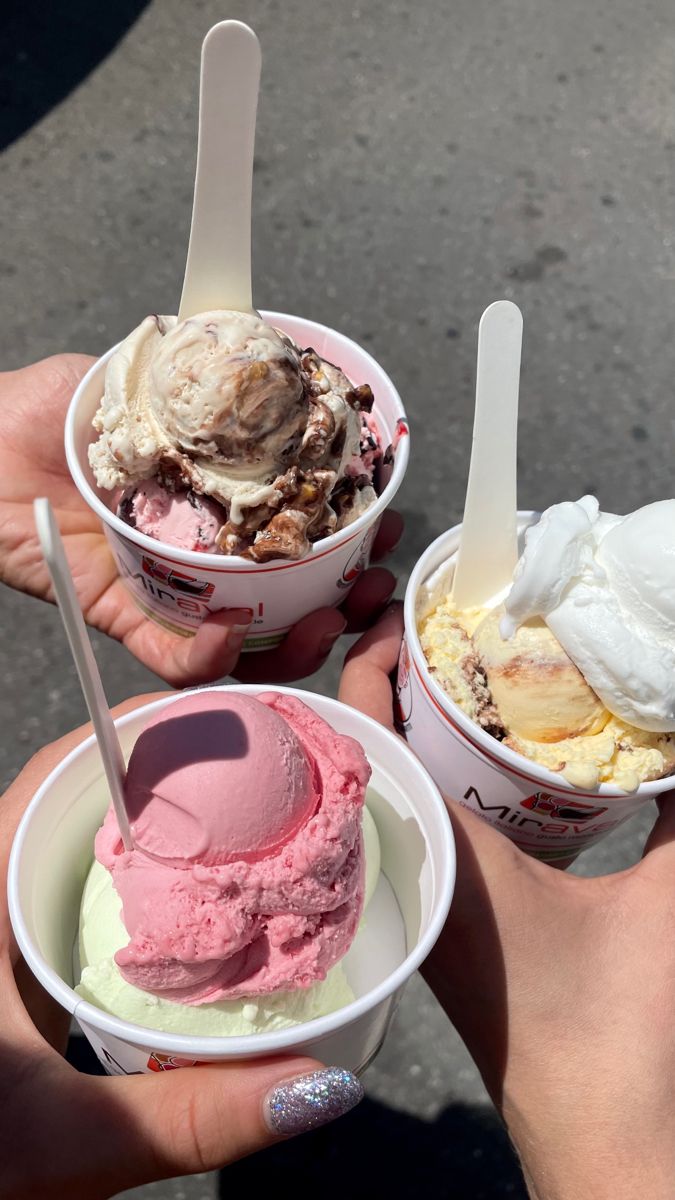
x: 605, y: 586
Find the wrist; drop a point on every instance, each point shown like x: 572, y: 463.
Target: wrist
x: 583, y: 1125
x: 593, y: 1161
x: 580, y: 1180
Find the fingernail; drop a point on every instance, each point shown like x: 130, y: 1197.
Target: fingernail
x: 311, y: 1100
x: 236, y: 634
x: 329, y: 639
x: 246, y: 614
x: 385, y: 602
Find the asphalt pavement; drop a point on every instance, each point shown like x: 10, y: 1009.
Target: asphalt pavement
x: 413, y: 163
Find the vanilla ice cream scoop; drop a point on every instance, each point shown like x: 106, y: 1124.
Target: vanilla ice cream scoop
x: 224, y: 385
x: 217, y: 399
x: 605, y: 586
x: 539, y: 693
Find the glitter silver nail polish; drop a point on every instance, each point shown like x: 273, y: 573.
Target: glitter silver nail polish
x: 311, y: 1100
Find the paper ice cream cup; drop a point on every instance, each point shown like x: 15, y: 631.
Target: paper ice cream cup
x: 178, y: 588
x: 53, y: 851
x: 546, y: 816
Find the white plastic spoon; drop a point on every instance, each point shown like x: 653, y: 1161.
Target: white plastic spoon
x: 488, y: 548
x: 218, y: 267
x: 83, y: 655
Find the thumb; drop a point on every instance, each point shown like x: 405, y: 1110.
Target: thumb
x: 188, y: 661
x: 199, y: 1119
x: 215, y: 649
x: 366, y: 676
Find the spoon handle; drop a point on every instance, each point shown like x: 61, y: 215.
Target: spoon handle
x: 83, y: 657
x: 218, y: 267
x: 488, y: 548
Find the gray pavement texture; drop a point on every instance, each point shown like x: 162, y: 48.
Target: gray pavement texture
x: 413, y: 163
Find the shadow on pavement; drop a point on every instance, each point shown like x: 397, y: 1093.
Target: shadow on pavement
x: 47, y: 48
x: 419, y: 533
x: 375, y: 1151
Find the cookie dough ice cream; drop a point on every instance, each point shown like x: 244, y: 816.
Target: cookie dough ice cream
x: 224, y: 411
x: 575, y: 667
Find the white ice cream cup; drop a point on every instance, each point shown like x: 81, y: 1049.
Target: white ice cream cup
x: 538, y: 809
x: 53, y: 851
x: 178, y: 588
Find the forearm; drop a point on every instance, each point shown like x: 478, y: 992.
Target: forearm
x: 586, y: 1124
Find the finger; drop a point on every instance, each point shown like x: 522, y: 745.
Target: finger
x: 24, y: 787
x: 181, y: 661
x: 388, y: 535
x: 216, y: 647
x: 50, y: 1020
x: 365, y: 682
x: 193, y: 1120
x: 45, y: 760
x: 20, y: 793
x: 368, y: 598
x: 190, y: 661
x: 57, y: 372
x: 663, y: 829
x: 46, y: 387
x: 304, y: 649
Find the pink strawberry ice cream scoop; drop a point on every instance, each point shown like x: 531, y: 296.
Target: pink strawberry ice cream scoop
x: 247, y: 873
x: 180, y: 518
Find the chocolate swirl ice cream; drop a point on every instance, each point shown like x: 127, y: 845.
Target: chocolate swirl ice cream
x: 222, y: 406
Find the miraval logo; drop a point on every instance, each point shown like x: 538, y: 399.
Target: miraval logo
x: 556, y: 816
x: 403, y: 699
x: 156, y: 585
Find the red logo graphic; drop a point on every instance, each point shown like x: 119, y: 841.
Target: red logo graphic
x: 167, y: 1062
x: 400, y: 432
x: 358, y: 560
x: 187, y: 584
x: 562, y: 810
x: 401, y: 715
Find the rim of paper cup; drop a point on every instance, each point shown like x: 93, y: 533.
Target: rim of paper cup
x: 500, y: 756
x: 224, y: 563
x: 255, y: 1044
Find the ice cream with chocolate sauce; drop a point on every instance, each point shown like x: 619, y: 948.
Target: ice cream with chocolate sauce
x: 277, y: 444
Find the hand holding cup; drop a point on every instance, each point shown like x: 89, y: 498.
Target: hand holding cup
x: 33, y: 404
x: 560, y: 986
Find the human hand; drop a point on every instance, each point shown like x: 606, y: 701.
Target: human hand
x: 562, y: 988
x: 87, y: 1137
x: 33, y: 404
